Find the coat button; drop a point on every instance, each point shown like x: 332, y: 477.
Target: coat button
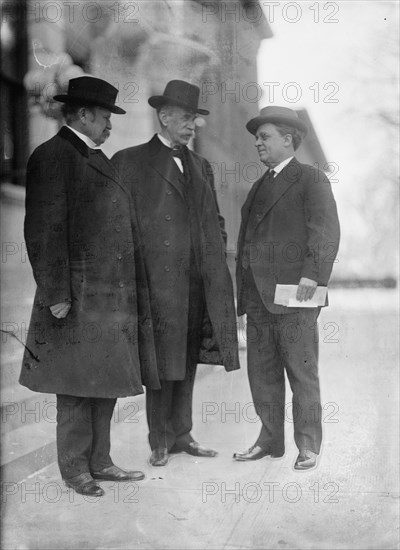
x: 114, y: 199
x: 168, y: 218
x: 118, y: 228
x: 169, y: 192
x: 166, y: 268
x: 167, y: 243
x: 121, y: 285
x: 119, y: 256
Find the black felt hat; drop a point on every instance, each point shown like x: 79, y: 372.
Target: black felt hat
x: 180, y: 93
x: 91, y: 91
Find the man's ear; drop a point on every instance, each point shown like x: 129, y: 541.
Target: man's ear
x: 163, y: 117
x: 82, y: 113
x: 288, y: 140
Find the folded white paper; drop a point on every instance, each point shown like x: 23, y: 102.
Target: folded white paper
x: 285, y: 295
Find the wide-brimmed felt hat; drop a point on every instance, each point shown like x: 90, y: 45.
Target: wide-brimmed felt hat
x: 180, y: 93
x: 279, y: 115
x: 89, y: 90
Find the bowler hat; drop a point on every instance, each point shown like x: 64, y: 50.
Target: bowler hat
x: 180, y: 93
x: 274, y: 115
x: 92, y: 91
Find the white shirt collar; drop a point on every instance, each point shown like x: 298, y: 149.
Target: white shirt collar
x: 165, y: 141
x: 282, y: 165
x: 89, y: 142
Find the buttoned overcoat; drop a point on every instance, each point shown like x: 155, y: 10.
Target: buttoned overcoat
x: 80, y: 244
x: 163, y: 214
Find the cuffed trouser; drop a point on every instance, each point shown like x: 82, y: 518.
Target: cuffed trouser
x: 275, y: 343
x: 83, y: 434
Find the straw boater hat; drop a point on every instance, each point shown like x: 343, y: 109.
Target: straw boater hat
x: 88, y: 90
x: 180, y: 93
x: 280, y: 115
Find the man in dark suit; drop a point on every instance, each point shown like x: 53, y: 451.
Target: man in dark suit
x: 190, y: 287
x: 82, y: 340
x: 289, y: 235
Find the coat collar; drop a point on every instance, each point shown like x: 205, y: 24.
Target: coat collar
x: 80, y: 145
x: 97, y: 161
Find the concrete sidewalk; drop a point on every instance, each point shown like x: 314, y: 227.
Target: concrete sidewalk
x: 350, y: 501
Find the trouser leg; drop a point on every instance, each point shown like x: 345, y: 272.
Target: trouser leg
x: 83, y: 434
x: 74, y: 435
x: 158, y: 410
x: 266, y: 377
x: 102, y: 411
x: 298, y: 347
x: 182, y: 405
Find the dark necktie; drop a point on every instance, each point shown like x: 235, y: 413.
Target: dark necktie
x: 270, y: 175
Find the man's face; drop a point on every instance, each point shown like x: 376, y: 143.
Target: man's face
x: 98, y: 124
x: 271, y: 146
x: 179, y: 125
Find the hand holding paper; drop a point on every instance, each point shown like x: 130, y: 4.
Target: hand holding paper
x: 306, y: 289
x: 286, y: 295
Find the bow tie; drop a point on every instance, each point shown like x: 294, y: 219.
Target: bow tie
x: 178, y: 151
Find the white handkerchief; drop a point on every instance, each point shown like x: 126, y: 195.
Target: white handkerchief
x: 285, y: 295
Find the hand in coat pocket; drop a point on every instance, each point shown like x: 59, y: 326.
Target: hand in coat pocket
x: 60, y: 310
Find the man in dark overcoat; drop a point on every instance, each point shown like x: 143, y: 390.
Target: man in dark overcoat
x: 83, y: 337
x: 191, y: 296
x: 289, y: 235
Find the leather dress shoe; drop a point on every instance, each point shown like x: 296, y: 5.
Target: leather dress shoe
x: 255, y: 453
x: 159, y: 457
x: 306, y: 460
x: 113, y: 473
x: 195, y: 449
x: 84, y: 484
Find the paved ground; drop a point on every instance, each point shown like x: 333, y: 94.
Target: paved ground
x: 350, y: 502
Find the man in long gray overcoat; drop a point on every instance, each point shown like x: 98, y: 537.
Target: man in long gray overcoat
x: 191, y: 296
x: 83, y: 338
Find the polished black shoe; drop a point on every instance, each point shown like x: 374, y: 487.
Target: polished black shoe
x: 84, y: 484
x: 306, y: 460
x: 195, y: 449
x: 113, y: 473
x: 255, y: 453
x: 159, y: 457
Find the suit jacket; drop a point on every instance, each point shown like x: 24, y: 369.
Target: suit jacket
x: 152, y: 176
x: 295, y: 235
x: 81, y: 247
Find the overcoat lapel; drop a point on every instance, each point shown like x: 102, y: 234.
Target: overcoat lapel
x: 101, y: 164
x: 195, y: 167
